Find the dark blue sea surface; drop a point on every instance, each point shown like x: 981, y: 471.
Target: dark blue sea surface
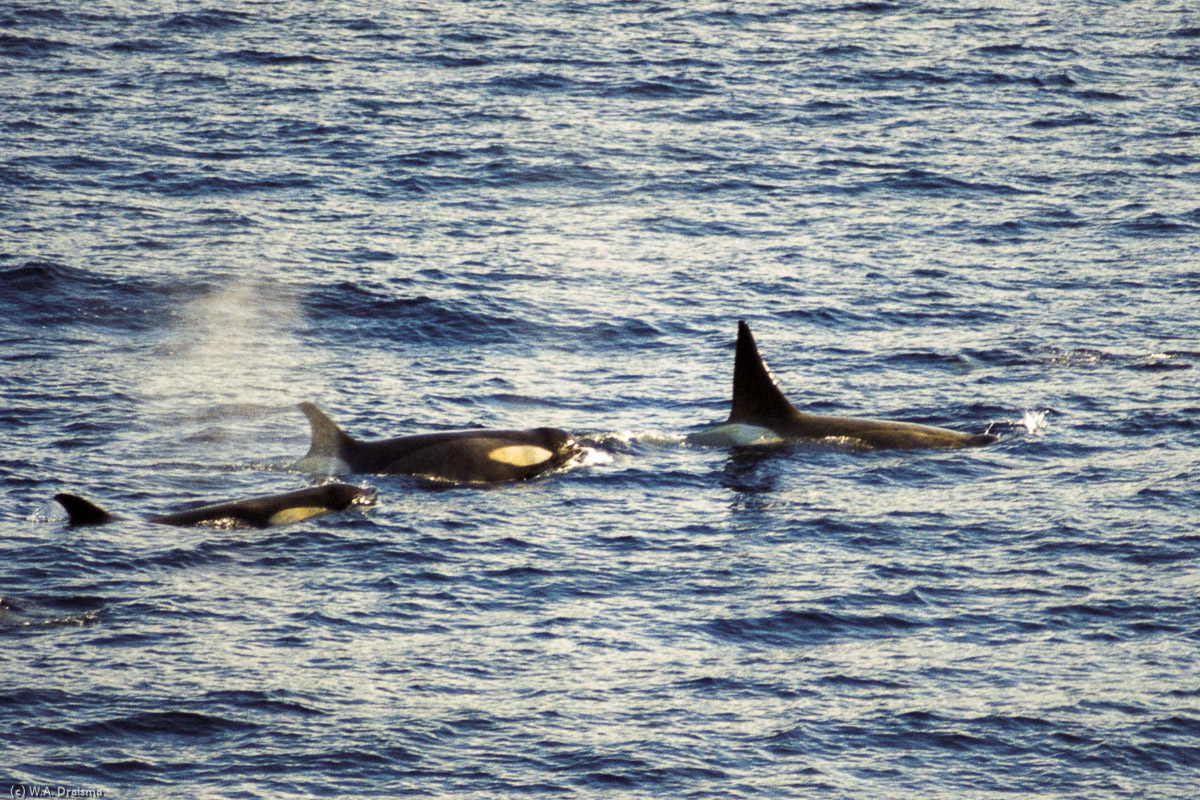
x: 428, y: 216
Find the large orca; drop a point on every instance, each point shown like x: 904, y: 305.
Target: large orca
x: 257, y: 512
x: 461, y: 457
x: 761, y: 414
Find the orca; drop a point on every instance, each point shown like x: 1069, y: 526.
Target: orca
x: 256, y: 512
x: 458, y: 457
x: 761, y: 414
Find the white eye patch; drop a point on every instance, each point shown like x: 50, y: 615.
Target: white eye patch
x: 520, y: 455
x: 296, y: 514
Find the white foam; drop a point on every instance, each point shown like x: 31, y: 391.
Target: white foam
x: 627, y: 438
x: 592, y: 457
x: 1034, y: 421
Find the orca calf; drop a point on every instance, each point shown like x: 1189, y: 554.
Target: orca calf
x: 257, y: 512
x: 462, y: 457
x: 761, y: 414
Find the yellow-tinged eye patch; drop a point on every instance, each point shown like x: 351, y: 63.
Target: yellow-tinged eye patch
x: 296, y: 514
x: 520, y: 455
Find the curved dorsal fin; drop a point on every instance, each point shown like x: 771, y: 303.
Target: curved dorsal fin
x: 328, y: 440
x: 83, y: 512
x: 756, y: 396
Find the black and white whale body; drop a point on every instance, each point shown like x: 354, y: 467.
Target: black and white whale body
x: 256, y: 512
x: 761, y: 414
x: 461, y: 457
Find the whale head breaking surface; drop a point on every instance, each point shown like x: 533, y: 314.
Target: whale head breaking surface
x: 467, y: 457
x: 256, y: 512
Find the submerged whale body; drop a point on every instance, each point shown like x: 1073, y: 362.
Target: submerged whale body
x: 461, y: 457
x: 256, y: 512
x: 761, y: 414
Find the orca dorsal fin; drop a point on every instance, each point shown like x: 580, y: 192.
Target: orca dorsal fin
x: 328, y: 440
x: 83, y: 512
x: 757, y: 399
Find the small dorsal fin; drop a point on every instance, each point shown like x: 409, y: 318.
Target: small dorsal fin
x: 756, y: 396
x: 83, y: 512
x: 328, y: 440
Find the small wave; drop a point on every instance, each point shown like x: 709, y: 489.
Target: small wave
x: 1097, y: 94
x: 530, y: 82
x: 12, y: 46
x: 50, y: 293
x: 190, y: 185
x: 1093, y: 358
x: 859, y: 682
x: 791, y: 628
x: 507, y: 171
x: 689, y: 227
x: 425, y: 158
x: 207, y: 20
x: 840, y: 51
x: 50, y: 613
x: 1065, y: 121
x: 126, y: 46
x: 920, y: 77
x: 421, y: 318
x: 866, y: 7
x: 923, y: 181
x: 454, y: 60
x: 1168, y: 159
x: 1021, y: 48
x: 1165, y: 362
x: 48, y: 622
x: 630, y: 333
x: 661, y: 87
x: 170, y: 723
x: 522, y: 573
x: 39, y: 276
x: 1156, y: 224
x: 265, y: 59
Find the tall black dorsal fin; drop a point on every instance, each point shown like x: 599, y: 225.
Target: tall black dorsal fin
x: 328, y: 440
x: 757, y: 398
x: 83, y: 512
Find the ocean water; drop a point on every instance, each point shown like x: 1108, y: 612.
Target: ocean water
x: 427, y: 216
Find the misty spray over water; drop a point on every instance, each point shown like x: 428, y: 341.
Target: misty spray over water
x: 233, y: 357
